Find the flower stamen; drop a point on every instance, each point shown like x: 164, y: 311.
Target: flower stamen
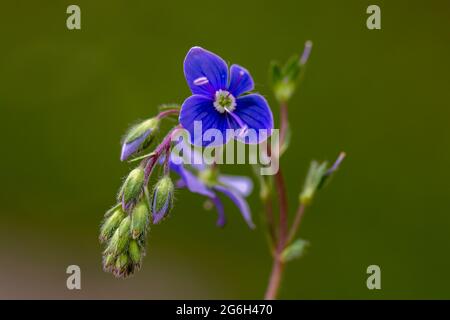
x: 244, y: 128
x: 224, y: 101
x: 201, y: 81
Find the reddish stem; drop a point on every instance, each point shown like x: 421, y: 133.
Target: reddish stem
x: 296, y: 223
x: 268, y: 206
x: 283, y: 225
x: 278, y: 264
x: 163, y: 147
x: 275, y: 279
x: 284, y: 123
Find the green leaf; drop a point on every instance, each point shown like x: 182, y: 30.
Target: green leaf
x: 295, y: 250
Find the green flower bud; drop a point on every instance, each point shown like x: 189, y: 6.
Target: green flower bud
x: 121, y: 264
x: 139, y: 137
x: 132, y: 188
x: 162, y: 201
x: 313, y: 179
x: 119, y: 240
x: 139, y: 219
x: 317, y: 176
x: 108, y: 262
x: 135, y: 252
x: 284, y: 90
x: 111, y: 224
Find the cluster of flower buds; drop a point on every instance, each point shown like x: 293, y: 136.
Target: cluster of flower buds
x: 125, y: 227
x: 124, y: 235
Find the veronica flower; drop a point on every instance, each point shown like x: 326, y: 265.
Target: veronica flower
x: 219, y: 99
x: 206, y: 181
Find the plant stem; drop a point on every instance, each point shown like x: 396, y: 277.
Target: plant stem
x: 275, y: 279
x: 296, y: 223
x: 150, y: 162
x: 278, y: 264
x: 283, y: 224
x: 268, y: 207
x: 283, y: 122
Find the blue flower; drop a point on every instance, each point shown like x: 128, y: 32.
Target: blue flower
x: 219, y: 100
x: 204, y: 180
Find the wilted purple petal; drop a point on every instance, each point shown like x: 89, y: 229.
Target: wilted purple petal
x: 191, y: 182
x: 239, y: 201
x: 221, y: 220
x: 133, y: 146
x: 241, y: 80
x: 205, y: 71
x: 241, y: 184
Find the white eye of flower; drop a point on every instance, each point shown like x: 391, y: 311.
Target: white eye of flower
x: 224, y: 101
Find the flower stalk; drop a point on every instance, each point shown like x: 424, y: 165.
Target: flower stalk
x: 284, y: 81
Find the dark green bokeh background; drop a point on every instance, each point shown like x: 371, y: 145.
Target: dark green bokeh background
x: 66, y: 97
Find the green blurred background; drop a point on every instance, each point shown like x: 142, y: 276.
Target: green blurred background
x: 66, y: 97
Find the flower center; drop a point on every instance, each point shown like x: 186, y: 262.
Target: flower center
x: 224, y: 101
x: 208, y: 177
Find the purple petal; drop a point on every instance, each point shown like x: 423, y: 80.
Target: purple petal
x: 241, y: 184
x: 131, y: 147
x: 205, y: 71
x: 199, y: 110
x: 241, y: 81
x: 191, y: 182
x: 239, y: 201
x: 221, y: 220
x: 254, y: 111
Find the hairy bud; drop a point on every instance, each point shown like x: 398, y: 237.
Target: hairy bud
x: 162, y: 201
x: 132, y: 188
x: 139, y: 137
x: 135, y: 252
x: 119, y: 240
x: 110, y: 224
x: 139, y: 219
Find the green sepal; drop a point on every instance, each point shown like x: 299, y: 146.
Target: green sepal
x: 119, y: 241
x: 139, y: 219
x: 291, y: 69
x: 121, y: 263
x: 134, y: 252
x: 132, y: 187
x: 140, y: 129
x: 275, y: 74
x: 313, y: 180
x: 111, y: 223
x: 162, y: 201
x: 295, y: 250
